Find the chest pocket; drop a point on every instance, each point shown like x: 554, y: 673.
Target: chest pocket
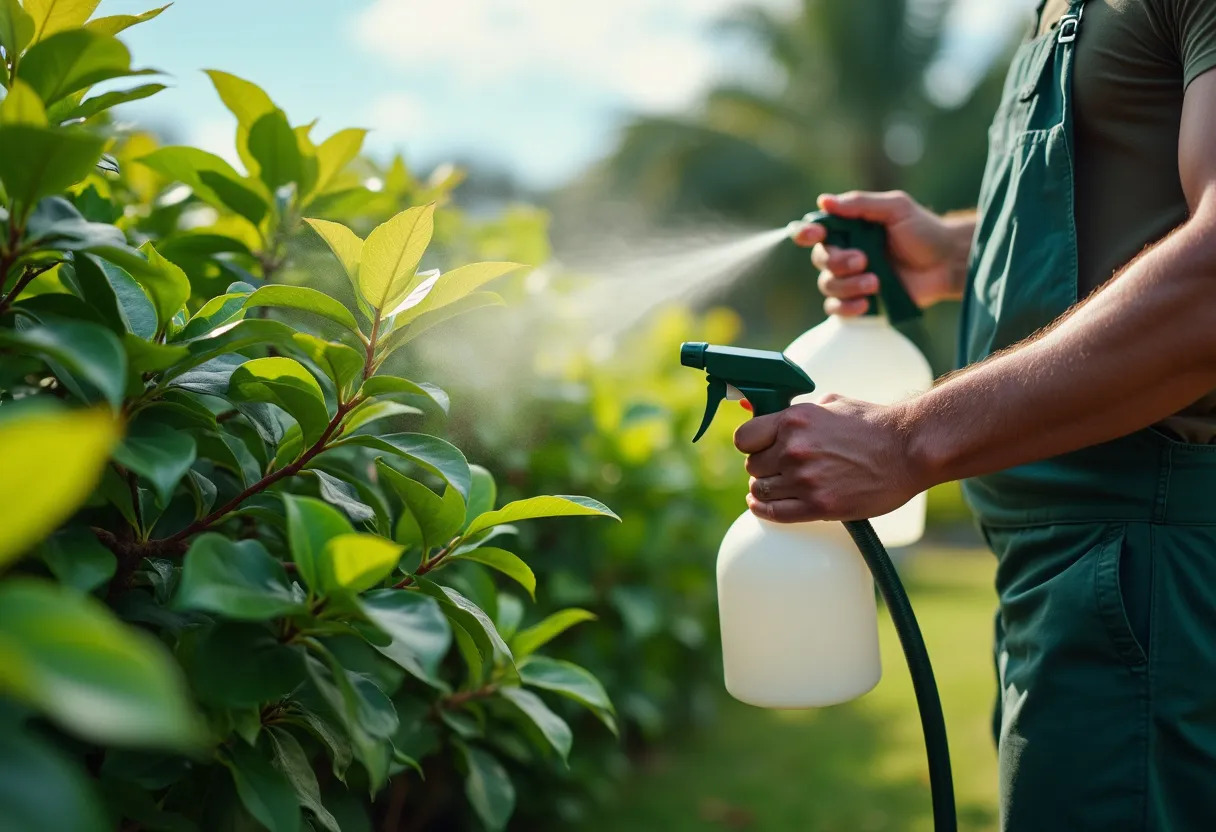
x: 1027, y: 109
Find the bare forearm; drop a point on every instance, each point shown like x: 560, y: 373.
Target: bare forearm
x: 1137, y: 351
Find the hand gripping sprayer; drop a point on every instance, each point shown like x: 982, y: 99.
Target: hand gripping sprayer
x: 797, y: 609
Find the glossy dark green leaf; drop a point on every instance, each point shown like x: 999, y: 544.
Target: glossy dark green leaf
x: 220, y: 310
x: 235, y: 195
x: 311, y: 524
x: 235, y: 664
x: 238, y: 579
x: 114, y: 293
x: 100, y: 103
x: 56, y: 223
x: 429, y: 452
x: 344, y: 496
x: 290, y: 759
x: 68, y: 656
x: 264, y: 790
x: 89, y: 352
x: 500, y: 560
x: 571, y: 681
x: 438, y: 518
x: 273, y: 144
x: 550, y: 726
x: 369, y: 719
x: 488, y: 787
x: 148, y: 356
x: 158, y: 454
x: 72, y: 60
x: 469, y: 617
x: 421, y: 635
x: 77, y: 559
x: 43, y: 789
x: 238, y: 336
x: 284, y: 382
x: 304, y: 299
x: 343, y: 365
x: 392, y: 385
x: 528, y: 641
x: 40, y: 161
x: 331, y: 736
x: 165, y: 283
x: 534, y: 507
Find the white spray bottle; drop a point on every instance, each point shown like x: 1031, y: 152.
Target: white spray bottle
x: 865, y: 357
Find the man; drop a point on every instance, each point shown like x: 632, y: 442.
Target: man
x: 1086, y: 420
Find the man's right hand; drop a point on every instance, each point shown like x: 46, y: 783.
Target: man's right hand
x: 927, y: 251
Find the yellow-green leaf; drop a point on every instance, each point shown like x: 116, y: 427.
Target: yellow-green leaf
x: 49, y: 464
x: 355, y: 562
x: 456, y: 285
x: 535, y: 507
x: 244, y: 99
x: 389, y: 261
x: 526, y: 642
x: 336, y: 152
x: 283, y: 382
x: 165, y: 283
x: 16, y: 27
x: 508, y: 563
x: 22, y: 106
x: 52, y: 16
x: 114, y: 24
x: 343, y: 242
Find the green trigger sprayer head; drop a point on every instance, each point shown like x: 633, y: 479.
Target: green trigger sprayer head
x: 768, y: 380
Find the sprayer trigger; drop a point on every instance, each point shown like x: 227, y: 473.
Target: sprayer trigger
x: 714, y: 395
x: 733, y: 394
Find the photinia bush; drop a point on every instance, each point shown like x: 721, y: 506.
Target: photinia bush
x: 237, y: 591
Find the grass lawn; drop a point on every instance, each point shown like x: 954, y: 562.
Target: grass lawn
x: 857, y: 767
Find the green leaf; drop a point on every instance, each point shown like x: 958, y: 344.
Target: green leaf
x: 57, y: 223
x: 329, y: 735
x: 244, y: 99
x: 236, y: 195
x: 22, y: 105
x: 274, y: 146
x: 526, y: 642
x: 68, y: 656
x: 87, y: 351
x: 116, y: 295
x: 469, y: 617
x: 455, y: 285
x: 238, y: 579
x: 42, y: 788
x: 71, y: 60
x: 508, y: 563
x: 335, y: 153
x: 390, y: 257
x: 571, y: 681
x: 343, y: 495
x: 237, y: 665
x: 483, y: 493
x: 220, y: 310
x: 50, y: 16
x: 290, y: 759
x: 114, y: 24
x: 551, y: 726
x: 157, y: 453
x: 488, y: 787
x: 343, y: 242
x: 50, y: 461
x: 373, y: 410
x: 40, y: 161
x: 421, y: 635
x: 264, y: 790
x: 355, y: 562
x: 393, y: 385
x: 16, y: 27
x: 100, y: 103
x: 305, y: 300
x: 535, y: 507
x: 311, y: 524
x: 423, y: 323
x: 286, y: 383
x: 342, y: 364
x: 186, y: 164
x: 429, y: 452
x: 165, y: 283
x: 366, y: 713
x: 76, y: 558
x: 438, y: 518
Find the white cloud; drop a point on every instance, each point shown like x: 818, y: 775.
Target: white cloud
x: 396, y: 116
x: 650, y: 54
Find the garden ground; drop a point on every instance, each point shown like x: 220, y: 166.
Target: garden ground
x: 857, y: 767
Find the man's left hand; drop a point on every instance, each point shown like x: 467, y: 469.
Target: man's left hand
x: 839, y: 459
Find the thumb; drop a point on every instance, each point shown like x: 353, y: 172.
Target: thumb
x: 884, y: 207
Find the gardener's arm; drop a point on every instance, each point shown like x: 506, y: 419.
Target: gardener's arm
x: 1138, y: 350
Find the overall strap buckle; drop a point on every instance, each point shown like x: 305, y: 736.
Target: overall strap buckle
x: 1070, y: 24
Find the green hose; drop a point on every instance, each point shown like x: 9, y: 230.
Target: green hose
x: 928, y: 701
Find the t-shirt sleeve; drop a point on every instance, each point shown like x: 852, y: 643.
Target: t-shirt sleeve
x: 1194, y: 25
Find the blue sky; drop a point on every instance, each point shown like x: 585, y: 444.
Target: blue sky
x: 536, y: 86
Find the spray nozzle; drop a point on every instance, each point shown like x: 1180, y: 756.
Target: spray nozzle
x: 768, y: 380
x: 870, y: 237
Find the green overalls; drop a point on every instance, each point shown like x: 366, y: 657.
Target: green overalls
x: 1106, y: 634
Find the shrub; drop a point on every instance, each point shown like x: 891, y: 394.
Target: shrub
x: 237, y: 593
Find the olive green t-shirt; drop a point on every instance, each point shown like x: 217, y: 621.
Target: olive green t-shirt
x: 1134, y: 61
